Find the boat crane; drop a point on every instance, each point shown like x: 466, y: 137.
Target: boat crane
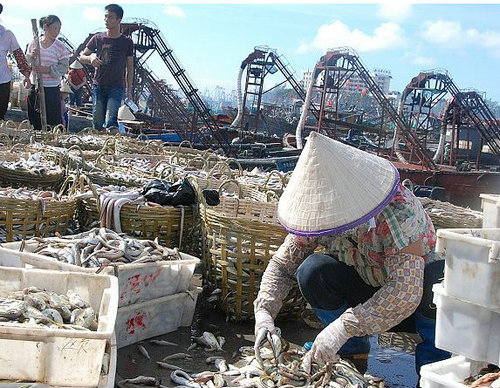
x: 330, y: 75
x: 258, y: 64
x: 420, y: 100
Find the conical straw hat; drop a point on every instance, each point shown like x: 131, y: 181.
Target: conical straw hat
x: 124, y: 113
x: 335, y: 187
x: 65, y: 87
x: 76, y: 65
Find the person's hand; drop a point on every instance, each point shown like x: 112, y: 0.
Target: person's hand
x: 94, y: 60
x: 266, y: 331
x: 34, y: 52
x: 326, y: 345
x: 26, y: 83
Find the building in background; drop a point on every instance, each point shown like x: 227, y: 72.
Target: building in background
x: 381, y: 76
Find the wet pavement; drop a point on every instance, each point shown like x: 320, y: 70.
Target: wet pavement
x: 397, y: 368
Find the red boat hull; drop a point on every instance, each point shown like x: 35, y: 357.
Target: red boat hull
x: 461, y: 187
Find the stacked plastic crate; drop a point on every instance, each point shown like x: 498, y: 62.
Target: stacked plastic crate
x: 468, y: 301
x: 54, y: 356
x: 153, y: 298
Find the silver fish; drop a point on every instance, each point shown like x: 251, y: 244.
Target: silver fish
x: 181, y: 356
x: 163, y: 343
x: 182, y: 378
x: 143, y: 351
x: 54, y: 315
x: 166, y: 365
x: 12, y: 309
x: 221, y: 365
x: 209, y: 340
x: 141, y: 380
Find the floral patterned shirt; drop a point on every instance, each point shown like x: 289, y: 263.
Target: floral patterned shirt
x: 374, y: 251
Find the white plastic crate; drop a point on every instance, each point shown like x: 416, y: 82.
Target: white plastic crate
x: 449, y: 373
x: 55, y: 356
x: 490, y: 203
x: 144, y: 320
x: 106, y: 380
x: 136, y: 282
x: 466, y: 328
x: 472, y: 264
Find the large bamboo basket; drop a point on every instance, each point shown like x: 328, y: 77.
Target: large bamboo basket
x: 87, y: 141
x: 17, y: 132
x: 106, y: 172
x: 130, y: 145
x: 240, y: 235
x: 185, y: 155
x: 25, y: 218
x: 47, y: 179
x: 446, y: 215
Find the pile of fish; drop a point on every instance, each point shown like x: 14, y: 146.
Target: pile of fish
x: 34, y: 164
x: 85, y: 141
x: 274, y: 181
x: 283, y: 370
x: 33, y: 306
x: 108, y: 174
x: 101, y: 247
x: 447, y: 215
x: 486, y: 377
x: 31, y: 194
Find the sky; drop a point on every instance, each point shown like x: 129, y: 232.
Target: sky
x: 210, y: 40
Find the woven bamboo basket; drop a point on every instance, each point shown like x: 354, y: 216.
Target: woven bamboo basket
x: 50, y: 178
x: 129, y: 145
x: 447, y: 215
x: 106, y: 172
x: 230, y: 187
x: 24, y: 218
x: 88, y: 141
x: 17, y: 132
x: 240, y: 235
x: 185, y: 155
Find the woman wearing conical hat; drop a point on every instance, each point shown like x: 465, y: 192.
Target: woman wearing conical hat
x: 376, y: 269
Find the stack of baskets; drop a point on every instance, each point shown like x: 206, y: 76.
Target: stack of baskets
x: 445, y: 215
x: 240, y: 235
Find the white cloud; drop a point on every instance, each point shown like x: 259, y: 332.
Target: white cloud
x: 442, y: 32
x: 396, y: 11
x: 173, y: 10
x: 93, y: 14
x: 453, y: 35
x: 34, y: 4
x: 385, y: 37
x: 419, y: 60
x: 9, y: 21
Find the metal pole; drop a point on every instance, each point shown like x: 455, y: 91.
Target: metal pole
x: 39, y: 80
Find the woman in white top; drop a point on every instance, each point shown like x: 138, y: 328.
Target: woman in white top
x: 8, y: 43
x: 54, y: 63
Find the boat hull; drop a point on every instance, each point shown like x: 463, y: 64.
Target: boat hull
x: 461, y: 187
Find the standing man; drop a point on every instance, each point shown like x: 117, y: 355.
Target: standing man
x: 111, y: 54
